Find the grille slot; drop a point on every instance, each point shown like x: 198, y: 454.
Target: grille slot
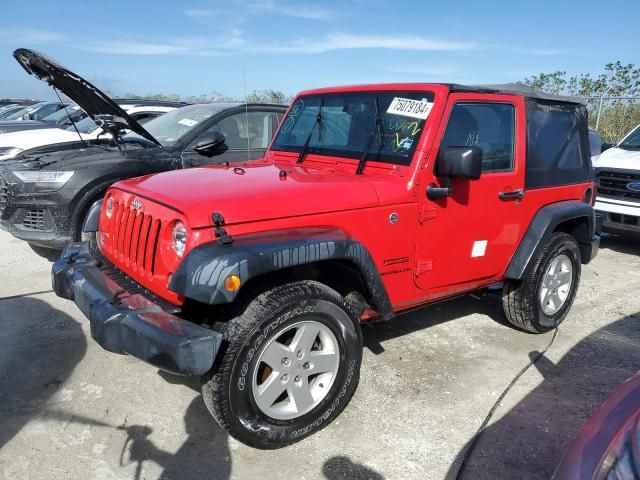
x: 134, y: 238
x: 614, y: 184
x: 4, y: 192
x: 34, y: 220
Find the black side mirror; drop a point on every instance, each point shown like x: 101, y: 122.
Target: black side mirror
x: 210, y: 143
x: 462, y: 162
x: 606, y: 146
x: 452, y: 162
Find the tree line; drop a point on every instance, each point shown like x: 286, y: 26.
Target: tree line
x: 614, y: 94
x: 255, y: 96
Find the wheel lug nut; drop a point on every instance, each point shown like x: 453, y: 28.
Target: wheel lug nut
x: 286, y: 361
x: 285, y: 377
x: 298, y: 378
x: 300, y: 354
x: 306, y: 365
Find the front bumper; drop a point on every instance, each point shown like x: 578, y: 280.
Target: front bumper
x: 133, y: 323
x: 39, y: 219
x: 618, y: 216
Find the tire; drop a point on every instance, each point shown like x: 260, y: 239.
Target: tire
x: 524, y: 301
x: 230, y: 389
x: 50, y: 254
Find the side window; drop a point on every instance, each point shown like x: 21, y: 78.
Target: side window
x: 46, y: 111
x: 490, y: 126
x: 246, y: 130
x: 557, y: 145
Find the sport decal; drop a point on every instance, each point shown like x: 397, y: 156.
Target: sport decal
x: 410, y: 108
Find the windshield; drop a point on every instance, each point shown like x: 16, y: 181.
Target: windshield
x: 61, y: 115
x: 6, y: 113
x: 632, y: 141
x: 172, y: 126
x: 87, y: 125
x: 23, y: 111
x: 348, y: 121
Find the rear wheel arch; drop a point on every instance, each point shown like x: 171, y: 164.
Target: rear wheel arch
x: 573, y: 217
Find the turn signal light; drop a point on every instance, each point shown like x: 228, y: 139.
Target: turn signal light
x: 232, y: 283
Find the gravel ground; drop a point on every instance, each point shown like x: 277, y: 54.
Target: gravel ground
x: 68, y: 409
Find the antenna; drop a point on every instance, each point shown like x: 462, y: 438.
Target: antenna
x: 246, y: 109
x: 84, y: 142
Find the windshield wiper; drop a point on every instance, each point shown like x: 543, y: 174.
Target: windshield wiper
x: 318, y: 121
x: 377, y: 131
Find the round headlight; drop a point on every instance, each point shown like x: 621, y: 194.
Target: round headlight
x: 179, y: 238
x: 109, y: 210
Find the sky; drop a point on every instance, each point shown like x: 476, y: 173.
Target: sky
x: 194, y: 47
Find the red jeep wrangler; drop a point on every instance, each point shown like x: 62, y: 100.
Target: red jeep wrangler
x: 370, y: 201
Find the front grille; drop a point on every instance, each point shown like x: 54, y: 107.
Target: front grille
x: 614, y: 184
x: 4, y: 192
x: 134, y: 238
x: 34, y: 220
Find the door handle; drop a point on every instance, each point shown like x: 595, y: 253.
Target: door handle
x: 516, y: 194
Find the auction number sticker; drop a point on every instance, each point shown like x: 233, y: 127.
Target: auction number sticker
x: 188, y: 122
x: 410, y: 108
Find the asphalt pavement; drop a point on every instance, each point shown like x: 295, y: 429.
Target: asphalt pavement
x: 69, y: 409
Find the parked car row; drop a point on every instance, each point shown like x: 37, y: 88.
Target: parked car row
x: 247, y: 243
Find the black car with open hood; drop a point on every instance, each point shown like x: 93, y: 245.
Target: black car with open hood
x: 95, y: 103
x: 47, y: 193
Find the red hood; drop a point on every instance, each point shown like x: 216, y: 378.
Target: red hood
x: 260, y: 193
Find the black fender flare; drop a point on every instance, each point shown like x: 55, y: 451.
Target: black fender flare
x: 201, y: 274
x: 92, y: 220
x: 544, y: 223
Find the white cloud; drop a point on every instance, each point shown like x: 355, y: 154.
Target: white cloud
x: 196, y: 12
x: 346, y: 41
x: 26, y: 36
x: 234, y: 43
x: 298, y: 10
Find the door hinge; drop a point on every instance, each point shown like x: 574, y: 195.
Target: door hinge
x: 427, y: 213
x: 423, y: 266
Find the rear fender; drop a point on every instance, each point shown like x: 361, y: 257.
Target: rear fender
x: 545, y: 222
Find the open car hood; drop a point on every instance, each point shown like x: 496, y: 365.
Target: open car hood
x: 88, y: 97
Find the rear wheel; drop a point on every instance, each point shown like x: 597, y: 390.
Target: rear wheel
x: 542, y: 299
x: 290, y: 364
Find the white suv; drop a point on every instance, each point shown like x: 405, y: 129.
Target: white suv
x: 12, y: 144
x: 618, y: 180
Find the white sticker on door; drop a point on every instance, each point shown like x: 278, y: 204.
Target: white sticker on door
x: 479, y: 248
x: 410, y: 108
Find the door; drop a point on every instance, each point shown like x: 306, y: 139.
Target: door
x: 467, y: 239
x: 247, y: 136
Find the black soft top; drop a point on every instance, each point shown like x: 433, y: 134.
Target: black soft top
x: 515, y: 89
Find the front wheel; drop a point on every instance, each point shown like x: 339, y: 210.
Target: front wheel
x: 542, y: 299
x: 289, y: 366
